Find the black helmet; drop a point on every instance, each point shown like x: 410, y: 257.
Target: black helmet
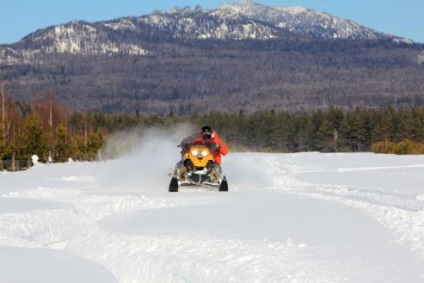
x: 206, y: 132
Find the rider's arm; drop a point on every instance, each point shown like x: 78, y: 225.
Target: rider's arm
x: 223, y: 149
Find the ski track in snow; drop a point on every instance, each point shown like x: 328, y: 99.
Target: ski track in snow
x: 404, y: 216
x: 66, y: 212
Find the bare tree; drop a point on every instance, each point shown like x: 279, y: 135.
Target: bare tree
x: 3, y: 114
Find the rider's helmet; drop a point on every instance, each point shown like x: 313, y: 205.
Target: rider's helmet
x: 206, y: 132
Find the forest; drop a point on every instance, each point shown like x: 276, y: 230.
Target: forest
x: 56, y: 134
x: 183, y: 77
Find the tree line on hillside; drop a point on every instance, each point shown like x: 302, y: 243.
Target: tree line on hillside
x: 181, y: 76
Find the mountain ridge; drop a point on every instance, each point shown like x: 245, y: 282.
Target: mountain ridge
x: 237, y: 21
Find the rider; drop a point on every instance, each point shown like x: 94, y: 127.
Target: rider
x: 209, y: 136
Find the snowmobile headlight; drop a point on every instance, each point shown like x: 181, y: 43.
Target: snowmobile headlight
x: 194, y: 152
x: 204, y: 153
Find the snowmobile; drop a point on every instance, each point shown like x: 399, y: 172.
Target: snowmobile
x: 197, y: 168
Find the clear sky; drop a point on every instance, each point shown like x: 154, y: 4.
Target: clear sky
x: 20, y: 17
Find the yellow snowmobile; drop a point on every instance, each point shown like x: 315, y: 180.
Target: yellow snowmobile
x: 197, y: 168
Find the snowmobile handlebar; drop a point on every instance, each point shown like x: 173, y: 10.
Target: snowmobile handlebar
x: 210, y: 145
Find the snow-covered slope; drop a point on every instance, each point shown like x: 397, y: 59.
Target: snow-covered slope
x: 299, y: 20
x: 304, y: 217
x: 236, y: 21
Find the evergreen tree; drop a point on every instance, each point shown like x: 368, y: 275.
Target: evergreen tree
x: 360, y: 135
x: 95, y: 142
x: 419, y: 124
x: 34, y: 139
x: 280, y: 125
x: 63, y: 148
x: 303, y: 133
x: 343, y: 136
x: 325, y: 137
x: 388, y: 128
x: 317, y: 119
x: 407, y: 127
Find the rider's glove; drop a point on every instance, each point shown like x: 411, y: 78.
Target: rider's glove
x: 215, y: 146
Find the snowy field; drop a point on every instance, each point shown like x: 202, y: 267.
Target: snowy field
x: 305, y: 217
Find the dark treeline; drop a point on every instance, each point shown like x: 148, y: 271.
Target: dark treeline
x: 324, y: 130
x: 52, y: 133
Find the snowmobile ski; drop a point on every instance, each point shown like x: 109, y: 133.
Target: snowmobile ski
x: 223, y: 187
x: 173, y: 185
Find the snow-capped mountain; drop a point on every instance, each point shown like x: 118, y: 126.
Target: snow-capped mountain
x: 76, y: 37
x: 236, y: 21
x: 300, y: 20
x: 82, y: 38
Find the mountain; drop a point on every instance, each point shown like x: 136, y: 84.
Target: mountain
x: 302, y: 21
x: 186, y: 56
x: 240, y: 21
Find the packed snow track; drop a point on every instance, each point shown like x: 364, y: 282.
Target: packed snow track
x: 304, y: 217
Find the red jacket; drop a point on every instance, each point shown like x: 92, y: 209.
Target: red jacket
x: 222, y: 149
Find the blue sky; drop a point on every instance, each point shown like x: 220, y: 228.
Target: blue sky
x: 21, y: 17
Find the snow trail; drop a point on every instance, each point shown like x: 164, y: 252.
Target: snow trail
x: 304, y: 217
